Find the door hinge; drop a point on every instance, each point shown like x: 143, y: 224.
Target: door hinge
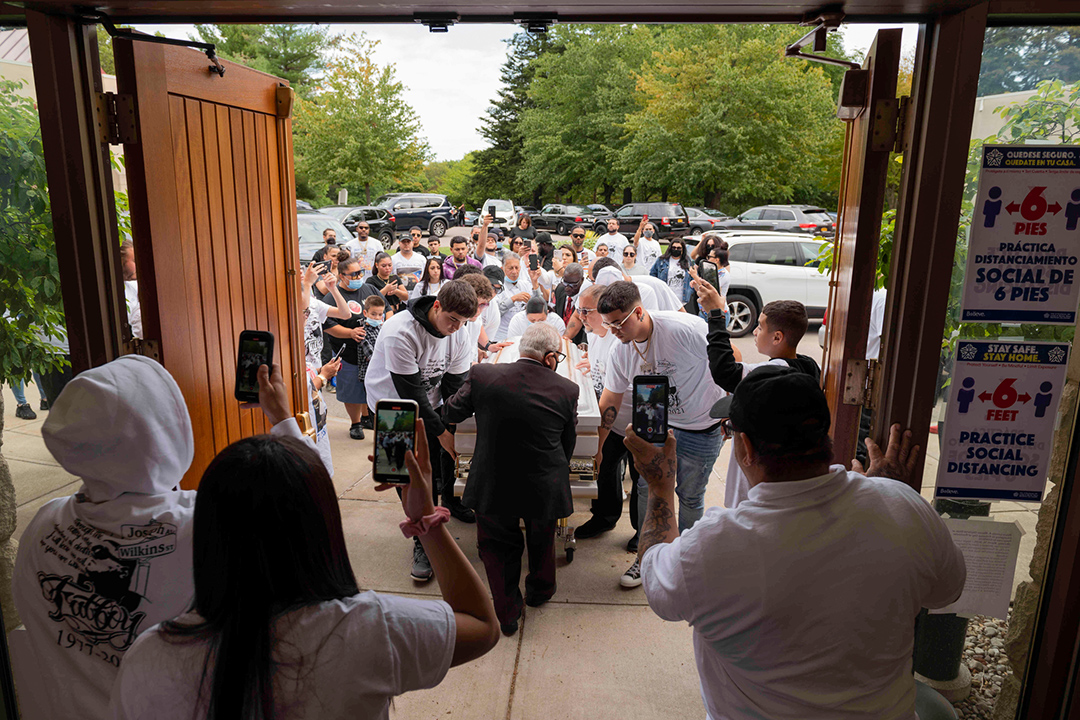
x: 903, y: 118
x: 116, y: 119
x: 859, y: 383
x: 890, y: 124
x: 146, y: 348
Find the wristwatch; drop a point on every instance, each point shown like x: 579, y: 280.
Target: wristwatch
x: 716, y: 314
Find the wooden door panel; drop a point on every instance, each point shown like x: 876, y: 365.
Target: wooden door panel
x: 216, y: 217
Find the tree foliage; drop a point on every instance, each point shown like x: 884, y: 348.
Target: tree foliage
x: 356, y: 131
x: 1019, y: 58
x: 29, y: 274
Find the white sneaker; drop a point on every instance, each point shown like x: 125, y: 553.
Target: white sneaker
x: 632, y: 577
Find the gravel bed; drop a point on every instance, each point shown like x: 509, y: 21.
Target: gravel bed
x: 984, y: 654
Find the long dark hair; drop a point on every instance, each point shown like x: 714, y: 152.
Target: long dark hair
x: 684, y: 263
x: 267, y: 540
x: 425, y: 279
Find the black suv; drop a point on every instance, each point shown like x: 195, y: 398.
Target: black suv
x: 561, y: 218
x: 428, y: 211
x: 670, y: 219
x: 378, y: 219
x: 808, y: 219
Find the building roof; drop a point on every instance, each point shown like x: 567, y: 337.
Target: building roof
x: 15, y: 46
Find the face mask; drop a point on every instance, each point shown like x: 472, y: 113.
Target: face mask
x: 676, y: 252
x: 648, y: 233
x: 373, y: 323
x: 356, y: 284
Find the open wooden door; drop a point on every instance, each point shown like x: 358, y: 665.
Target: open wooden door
x: 213, y: 213
x: 862, y: 195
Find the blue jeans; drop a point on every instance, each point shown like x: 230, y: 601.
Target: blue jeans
x: 696, y: 454
x: 18, y: 388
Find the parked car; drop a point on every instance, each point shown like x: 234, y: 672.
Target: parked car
x: 505, y: 214
x: 773, y: 266
x: 302, y: 205
x: 471, y: 217
x: 808, y: 219
x: 378, y: 219
x: 310, y: 226
x: 599, y: 211
x: 525, y: 209
x: 429, y: 211
x: 561, y: 218
x: 669, y: 219
x: 713, y: 213
x: 700, y: 221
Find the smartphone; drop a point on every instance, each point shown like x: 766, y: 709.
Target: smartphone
x: 645, y: 217
x: 323, y: 266
x: 395, y: 434
x: 338, y: 353
x: 255, y: 348
x: 651, y: 408
x: 491, y: 211
x: 534, y: 261
x: 710, y: 274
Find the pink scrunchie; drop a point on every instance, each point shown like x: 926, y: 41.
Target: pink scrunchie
x: 412, y: 528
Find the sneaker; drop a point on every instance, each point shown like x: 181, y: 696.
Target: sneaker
x: 25, y: 412
x: 44, y: 405
x: 459, y: 511
x: 366, y: 423
x: 421, y: 566
x: 356, y: 431
x: 632, y: 544
x: 509, y: 628
x: 593, y: 527
x: 632, y: 577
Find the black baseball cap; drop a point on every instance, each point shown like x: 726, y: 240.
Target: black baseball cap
x: 495, y: 275
x: 778, y: 405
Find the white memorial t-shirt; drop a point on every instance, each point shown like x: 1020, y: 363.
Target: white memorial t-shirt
x: 404, y: 347
x: 599, y: 356
x: 665, y: 298
x: 649, y: 251
x: 521, y: 322
x: 615, y: 243
x: 354, y: 655
x: 313, y: 330
x: 491, y: 318
x: 366, y: 251
x: 677, y: 350
x: 414, y: 264
x: 418, y: 290
x: 803, y: 600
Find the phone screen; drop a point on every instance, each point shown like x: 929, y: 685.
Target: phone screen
x: 491, y: 210
x: 256, y: 348
x: 710, y: 274
x: 651, y: 407
x: 395, y: 435
x: 534, y: 262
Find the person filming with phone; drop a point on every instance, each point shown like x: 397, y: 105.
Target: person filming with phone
x: 517, y: 476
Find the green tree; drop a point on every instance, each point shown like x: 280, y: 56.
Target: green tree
x: 297, y: 53
x: 356, y: 131
x: 1019, y: 58
x: 29, y: 274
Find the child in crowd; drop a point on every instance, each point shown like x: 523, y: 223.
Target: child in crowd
x: 374, y: 312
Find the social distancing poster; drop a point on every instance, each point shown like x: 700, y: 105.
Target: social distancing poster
x: 1023, y: 263
x: 999, y: 428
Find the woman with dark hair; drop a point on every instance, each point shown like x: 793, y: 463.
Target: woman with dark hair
x: 564, y: 256
x: 673, y: 267
x: 524, y: 228
x: 279, y: 628
x: 386, y: 284
x: 705, y: 245
x: 430, y: 281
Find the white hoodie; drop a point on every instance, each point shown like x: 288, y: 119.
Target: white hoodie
x: 97, y: 568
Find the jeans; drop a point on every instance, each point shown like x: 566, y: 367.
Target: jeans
x: 696, y: 454
x: 18, y: 388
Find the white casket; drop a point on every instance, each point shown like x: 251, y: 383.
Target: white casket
x: 582, y: 470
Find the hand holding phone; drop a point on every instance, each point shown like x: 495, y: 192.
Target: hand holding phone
x: 650, y: 421
x: 491, y: 210
x: 534, y: 262
x: 254, y: 348
x: 395, y: 435
x: 711, y: 274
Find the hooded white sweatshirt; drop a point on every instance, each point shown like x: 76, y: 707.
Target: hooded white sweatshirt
x: 97, y: 568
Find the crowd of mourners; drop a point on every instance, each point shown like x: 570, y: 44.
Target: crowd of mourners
x: 238, y: 600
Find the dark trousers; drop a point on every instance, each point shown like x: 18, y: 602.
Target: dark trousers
x: 54, y: 381
x: 501, y: 545
x: 608, y: 503
x: 442, y: 469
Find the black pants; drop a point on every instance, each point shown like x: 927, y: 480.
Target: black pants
x: 54, y: 381
x: 608, y: 503
x: 500, y: 542
x: 442, y: 469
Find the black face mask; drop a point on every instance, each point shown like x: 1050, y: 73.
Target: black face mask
x: 676, y: 252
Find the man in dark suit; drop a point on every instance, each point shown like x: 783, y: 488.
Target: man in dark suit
x: 564, y: 298
x: 526, y: 420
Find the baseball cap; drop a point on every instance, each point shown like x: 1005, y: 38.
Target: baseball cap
x: 778, y: 405
x: 543, y: 237
x: 496, y: 276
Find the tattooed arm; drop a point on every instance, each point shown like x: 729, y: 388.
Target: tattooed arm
x: 609, y: 409
x: 657, y: 466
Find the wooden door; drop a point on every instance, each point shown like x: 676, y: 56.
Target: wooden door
x: 862, y: 196
x: 214, y: 223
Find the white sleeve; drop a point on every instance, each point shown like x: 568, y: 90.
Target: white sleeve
x: 517, y: 326
x: 648, y: 298
x: 289, y: 428
x: 491, y: 319
x: 422, y: 634
x: 663, y: 581
x: 463, y: 352
x: 557, y: 322
x: 400, y: 354
x: 319, y: 308
x: 617, y: 378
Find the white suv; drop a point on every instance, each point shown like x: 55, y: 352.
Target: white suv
x: 767, y: 266
x: 505, y: 214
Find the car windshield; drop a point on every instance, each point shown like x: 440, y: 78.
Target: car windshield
x: 311, y: 226
x: 670, y: 210
x: 575, y: 210
x: 714, y: 213
x: 694, y: 212
x: 501, y: 206
x: 337, y: 212
x: 818, y: 216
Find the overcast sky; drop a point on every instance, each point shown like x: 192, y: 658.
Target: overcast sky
x: 450, y: 78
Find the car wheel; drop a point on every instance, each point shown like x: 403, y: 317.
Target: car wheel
x: 696, y: 232
x: 438, y: 227
x: 560, y: 229
x: 744, y: 314
x: 387, y: 239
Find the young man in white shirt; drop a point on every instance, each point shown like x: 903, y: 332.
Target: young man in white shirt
x: 421, y: 356
x: 407, y: 261
x: 365, y: 247
x: 670, y: 344
x: 803, y: 599
x: 614, y: 239
x: 577, y: 239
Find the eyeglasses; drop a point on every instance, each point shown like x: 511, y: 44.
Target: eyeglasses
x: 417, y: 236
x: 629, y: 254
x: 559, y: 357
x: 577, y: 236
x: 584, y: 311
x: 362, y: 227
x: 726, y: 428
x: 619, y: 323
x: 356, y: 274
